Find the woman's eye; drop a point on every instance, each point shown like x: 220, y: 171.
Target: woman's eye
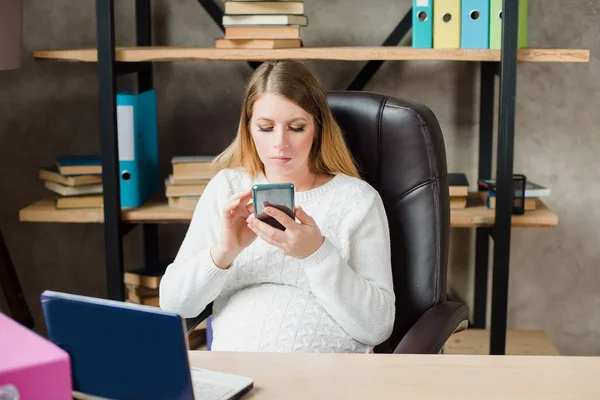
x: 265, y: 128
x: 297, y: 128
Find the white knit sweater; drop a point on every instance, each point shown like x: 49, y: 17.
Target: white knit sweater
x: 339, y: 299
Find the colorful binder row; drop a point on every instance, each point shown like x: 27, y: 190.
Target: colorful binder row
x: 462, y: 24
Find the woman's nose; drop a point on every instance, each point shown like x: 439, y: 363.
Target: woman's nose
x: 281, y: 141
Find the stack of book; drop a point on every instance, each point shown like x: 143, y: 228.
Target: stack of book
x: 459, y: 190
x: 251, y: 24
x: 75, y: 181
x: 532, y: 192
x: 190, y: 176
x: 142, y: 288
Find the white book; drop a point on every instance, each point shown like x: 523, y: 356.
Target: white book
x: 73, y: 190
x: 233, y: 20
x: 263, y: 7
x: 532, y: 189
x: 260, y: 1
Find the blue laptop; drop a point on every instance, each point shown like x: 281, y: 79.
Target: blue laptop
x: 129, y: 351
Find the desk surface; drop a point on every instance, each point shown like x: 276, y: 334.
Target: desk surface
x: 308, y: 376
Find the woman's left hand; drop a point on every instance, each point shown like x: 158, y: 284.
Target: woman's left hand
x: 299, y: 240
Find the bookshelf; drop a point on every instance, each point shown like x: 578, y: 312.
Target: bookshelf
x: 168, y: 54
x: 154, y: 211
x: 112, y: 61
x: 475, y: 215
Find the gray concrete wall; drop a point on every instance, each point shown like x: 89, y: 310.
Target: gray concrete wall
x: 49, y: 108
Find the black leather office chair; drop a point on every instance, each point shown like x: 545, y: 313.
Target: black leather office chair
x: 400, y: 150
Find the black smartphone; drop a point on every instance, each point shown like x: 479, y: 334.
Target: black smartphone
x: 277, y: 195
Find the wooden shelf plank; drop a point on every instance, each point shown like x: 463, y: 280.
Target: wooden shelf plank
x: 157, y: 211
x: 351, y: 53
x: 476, y: 214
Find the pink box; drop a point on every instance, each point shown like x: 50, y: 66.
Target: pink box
x: 36, y: 367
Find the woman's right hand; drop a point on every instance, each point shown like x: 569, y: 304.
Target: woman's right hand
x: 235, y: 234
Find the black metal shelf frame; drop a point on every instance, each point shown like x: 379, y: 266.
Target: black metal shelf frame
x: 506, y: 70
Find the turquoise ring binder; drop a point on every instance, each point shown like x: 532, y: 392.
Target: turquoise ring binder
x: 138, y: 147
x: 422, y: 24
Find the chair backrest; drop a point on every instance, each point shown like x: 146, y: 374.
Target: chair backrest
x: 400, y: 151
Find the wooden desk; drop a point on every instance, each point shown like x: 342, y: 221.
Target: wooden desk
x: 327, y: 376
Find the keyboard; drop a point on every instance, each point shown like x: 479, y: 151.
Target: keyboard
x: 212, y: 385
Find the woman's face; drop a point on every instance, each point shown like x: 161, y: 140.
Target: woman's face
x: 283, y: 134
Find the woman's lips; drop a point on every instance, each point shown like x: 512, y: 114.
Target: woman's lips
x: 280, y: 160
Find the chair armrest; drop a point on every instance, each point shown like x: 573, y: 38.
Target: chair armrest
x: 429, y: 334
x: 192, y: 323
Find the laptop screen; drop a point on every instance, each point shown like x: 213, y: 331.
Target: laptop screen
x: 120, y: 350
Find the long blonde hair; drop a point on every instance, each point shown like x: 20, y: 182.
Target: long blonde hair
x: 295, y: 82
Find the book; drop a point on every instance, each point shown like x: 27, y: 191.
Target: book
x: 196, y: 167
x: 188, y: 181
x: 141, y: 290
x: 458, y: 184
x: 146, y: 300
x: 270, y: 1
x: 73, y: 190
x: 262, y: 32
x: 82, y: 201
x: 141, y: 277
x: 258, y: 43
x: 185, y: 203
x: 192, y: 159
x: 231, y: 20
x: 197, y: 337
x: 530, y: 202
x: 51, y: 174
x: 458, y: 202
x: 78, y: 165
x: 532, y: 189
x: 264, y: 7
x: 183, y: 190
